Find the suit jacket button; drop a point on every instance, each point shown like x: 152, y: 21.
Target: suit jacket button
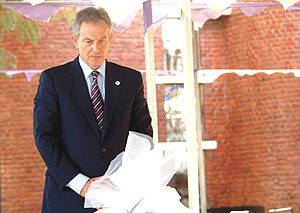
x: 103, y: 150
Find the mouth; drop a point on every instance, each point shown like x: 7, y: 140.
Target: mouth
x: 96, y: 57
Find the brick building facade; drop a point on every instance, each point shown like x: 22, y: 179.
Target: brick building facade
x: 255, y: 119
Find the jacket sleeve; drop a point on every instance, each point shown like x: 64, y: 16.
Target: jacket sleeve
x: 47, y: 132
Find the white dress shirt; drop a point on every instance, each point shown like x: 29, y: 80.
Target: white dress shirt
x: 78, y: 182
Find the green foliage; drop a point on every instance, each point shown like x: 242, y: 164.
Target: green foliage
x: 68, y: 14
x: 10, y: 21
x: 27, y: 29
x: 7, y: 59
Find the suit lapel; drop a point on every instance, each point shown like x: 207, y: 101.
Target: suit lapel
x: 113, y: 87
x: 77, y: 83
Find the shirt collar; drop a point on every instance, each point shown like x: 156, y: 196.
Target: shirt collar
x: 87, y: 70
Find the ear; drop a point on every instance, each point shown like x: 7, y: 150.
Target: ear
x: 75, y: 40
x: 111, y: 36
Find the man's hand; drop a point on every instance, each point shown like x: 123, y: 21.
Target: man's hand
x: 87, y: 185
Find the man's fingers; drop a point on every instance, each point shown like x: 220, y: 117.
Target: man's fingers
x: 87, y: 185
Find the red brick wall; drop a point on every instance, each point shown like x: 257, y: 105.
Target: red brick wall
x: 212, y: 45
x: 255, y: 119
x: 269, y: 40
x: 22, y: 170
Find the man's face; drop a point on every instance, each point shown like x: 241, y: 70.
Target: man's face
x: 93, y: 42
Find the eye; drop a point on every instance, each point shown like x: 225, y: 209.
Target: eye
x: 87, y: 41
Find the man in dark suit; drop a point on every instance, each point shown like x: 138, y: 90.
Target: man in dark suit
x: 76, y: 146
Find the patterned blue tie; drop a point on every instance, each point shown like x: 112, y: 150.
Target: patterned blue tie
x: 97, y: 100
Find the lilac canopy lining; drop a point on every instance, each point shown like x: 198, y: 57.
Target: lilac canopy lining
x: 30, y: 73
x: 200, y: 13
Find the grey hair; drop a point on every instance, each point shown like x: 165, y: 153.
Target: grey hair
x: 91, y: 14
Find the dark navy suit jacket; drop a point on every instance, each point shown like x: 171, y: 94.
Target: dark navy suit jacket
x: 66, y: 131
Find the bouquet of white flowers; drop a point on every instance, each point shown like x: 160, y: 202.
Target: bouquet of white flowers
x: 136, y: 180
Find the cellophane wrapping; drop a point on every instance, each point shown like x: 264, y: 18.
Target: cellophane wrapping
x: 136, y: 180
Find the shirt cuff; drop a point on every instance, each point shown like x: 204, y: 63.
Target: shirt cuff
x: 78, y: 182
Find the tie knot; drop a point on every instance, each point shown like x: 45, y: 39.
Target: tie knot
x: 95, y: 73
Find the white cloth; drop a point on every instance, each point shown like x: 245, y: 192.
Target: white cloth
x: 136, y: 179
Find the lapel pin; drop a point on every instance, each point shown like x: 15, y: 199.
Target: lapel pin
x: 117, y: 83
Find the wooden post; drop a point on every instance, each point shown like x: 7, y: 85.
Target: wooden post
x: 202, y: 181
x: 191, y: 121
x: 202, y: 176
x: 150, y: 77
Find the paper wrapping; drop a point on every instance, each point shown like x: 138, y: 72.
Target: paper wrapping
x: 136, y: 180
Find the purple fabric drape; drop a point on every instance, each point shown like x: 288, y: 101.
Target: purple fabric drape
x: 43, y: 11
x: 160, y: 10
x: 28, y: 73
x: 147, y: 9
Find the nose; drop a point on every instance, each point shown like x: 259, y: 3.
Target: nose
x: 96, y: 47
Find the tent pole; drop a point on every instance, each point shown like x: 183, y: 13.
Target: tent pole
x: 202, y: 182
x: 189, y: 91
x: 150, y: 79
x: 201, y: 154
